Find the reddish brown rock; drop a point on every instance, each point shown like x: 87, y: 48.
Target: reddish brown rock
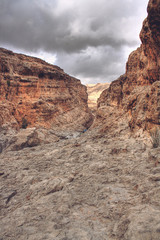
x: 137, y: 92
x: 35, y: 93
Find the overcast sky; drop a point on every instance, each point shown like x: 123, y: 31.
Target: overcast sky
x: 89, y: 39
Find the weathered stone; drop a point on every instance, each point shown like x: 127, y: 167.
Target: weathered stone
x: 35, y: 93
x: 144, y: 224
x: 94, y: 91
x: 100, y: 184
x: 83, y: 187
x: 137, y: 92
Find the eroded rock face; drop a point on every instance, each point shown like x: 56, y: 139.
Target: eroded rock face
x: 99, y: 185
x: 94, y: 92
x: 35, y: 93
x: 95, y: 186
x: 137, y: 92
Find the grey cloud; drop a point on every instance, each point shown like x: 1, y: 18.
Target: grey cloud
x: 102, y: 64
x: 28, y: 26
x: 88, y: 36
x: 31, y: 26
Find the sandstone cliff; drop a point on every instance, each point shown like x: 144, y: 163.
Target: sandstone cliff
x: 82, y: 186
x: 35, y: 93
x: 94, y: 91
x: 137, y: 92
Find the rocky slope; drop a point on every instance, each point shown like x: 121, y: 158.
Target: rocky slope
x: 137, y: 92
x: 103, y: 184
x: 94, y: 91
x: 35, y: 93
x: 94, y: 186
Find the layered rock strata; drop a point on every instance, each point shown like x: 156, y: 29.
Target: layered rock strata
x: 35, y: 93
x: 137, y: 92
x: 94, y: 92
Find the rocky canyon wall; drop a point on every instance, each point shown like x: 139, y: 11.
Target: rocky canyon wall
x: 94, y: 92
x: 35, y: 93
x: 137, y: 92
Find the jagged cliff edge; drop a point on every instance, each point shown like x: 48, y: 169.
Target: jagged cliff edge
x: 137, y: 92
x: 35, y: 93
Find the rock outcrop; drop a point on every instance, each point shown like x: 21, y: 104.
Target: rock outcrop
x: 35, y: 93
x: 95, y: 186
x: 137, y: 92
x: 83, y: 186
x: 94, y: 91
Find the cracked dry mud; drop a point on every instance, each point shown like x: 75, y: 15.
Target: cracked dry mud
x: 92, y: 187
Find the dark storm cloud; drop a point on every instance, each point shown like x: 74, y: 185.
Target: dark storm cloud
x: 99, y: 64
x: 88, y: 36
x: 30, y: 25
